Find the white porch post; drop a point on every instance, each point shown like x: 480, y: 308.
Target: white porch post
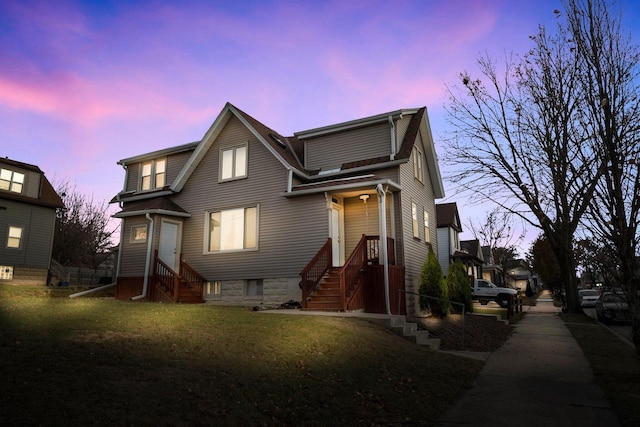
x: 382, y: 205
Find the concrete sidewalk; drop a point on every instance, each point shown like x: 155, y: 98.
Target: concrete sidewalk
x: 539, y: 377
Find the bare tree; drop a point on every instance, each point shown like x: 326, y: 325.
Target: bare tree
x: 612, y: 105
x: 82, y: 237
x: 522, y: 138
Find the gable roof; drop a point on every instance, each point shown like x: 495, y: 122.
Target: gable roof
x: 47, y: 196
x: 289, y: 151
x: 447, y: 216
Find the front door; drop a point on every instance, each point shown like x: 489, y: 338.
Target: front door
x: 169, y: 239
x: 336, y: 227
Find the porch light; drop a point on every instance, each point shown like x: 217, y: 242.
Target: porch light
x: 364, y: 197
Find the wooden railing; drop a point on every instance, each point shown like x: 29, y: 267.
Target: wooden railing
x: 351, y: 272
x: 192, y: 278
x: 313, y: 272
x: 169, y: 279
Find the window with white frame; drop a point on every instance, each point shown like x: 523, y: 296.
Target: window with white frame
x: 139, y: 233
x: 153, y: 174
x: 253, y: 287
x: 11, y: 181
x: 427, y: 233
x: 213, y: 289
x: 417, y: 164
x: 414, y: 220
x: 233, y: 163
x: 15, y: 237
x: 232, y: 229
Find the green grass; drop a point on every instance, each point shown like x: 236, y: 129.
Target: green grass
x: 95, y: 361
x: 614, y: 363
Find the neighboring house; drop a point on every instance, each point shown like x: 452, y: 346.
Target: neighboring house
x: 248, y: 216
x: 491, y: 270
x: 449, y: 229
x: 519, y: 275
x: 471, y: 256
x: 28, y: 205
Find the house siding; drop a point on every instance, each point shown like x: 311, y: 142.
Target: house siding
x: 444, y: 248
x: 38, y: 223
x: 416, y: 250
x: 281, y: 252
x: 134, y: 263
x: 331, y: 151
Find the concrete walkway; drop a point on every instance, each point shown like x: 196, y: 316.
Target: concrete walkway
x: 539, y: 377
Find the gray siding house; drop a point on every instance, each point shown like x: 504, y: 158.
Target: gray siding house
x: 28, y: 205
x: 449, y: 229
x: 338, y: 217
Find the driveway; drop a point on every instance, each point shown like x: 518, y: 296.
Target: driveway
x: 622, y: 329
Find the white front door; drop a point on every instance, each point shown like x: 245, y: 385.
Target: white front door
x: 336, y: 232
x: 168, y: 250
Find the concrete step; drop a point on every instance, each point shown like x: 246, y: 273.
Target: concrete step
x: 409, y: 330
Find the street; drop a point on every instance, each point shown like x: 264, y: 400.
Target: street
x: 623, y: 329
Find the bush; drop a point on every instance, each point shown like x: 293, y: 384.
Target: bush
x: 458, y: 286
x: 432, y: 284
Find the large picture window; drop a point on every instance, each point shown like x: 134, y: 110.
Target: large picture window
x: 11, y: 181
x: 233, y: 229
x: 153, y: 174
x: 233, y: 163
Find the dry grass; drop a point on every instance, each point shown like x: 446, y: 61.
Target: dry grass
x: 614, y: 363
x: 96, y: 361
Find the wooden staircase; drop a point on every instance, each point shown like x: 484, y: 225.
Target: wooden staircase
x: 326, y: 296
x: 185, y: 287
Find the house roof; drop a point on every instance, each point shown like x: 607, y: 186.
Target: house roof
x: 447, y: 216
x: 290, y: 150
x: 158, y: 205
x: 47, y: 196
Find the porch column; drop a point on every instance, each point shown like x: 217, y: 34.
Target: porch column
x: 382, y: 205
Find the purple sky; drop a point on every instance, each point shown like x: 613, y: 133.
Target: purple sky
x: 83, y: 85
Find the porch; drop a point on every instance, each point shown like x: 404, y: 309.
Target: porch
x: 357, y: 285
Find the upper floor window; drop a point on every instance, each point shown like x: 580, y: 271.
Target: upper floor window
x: 11, y: 181
x: 414, y: 220
x: 233, y: 229
x: 153, y: 174
x: 15, y: 237
x: 427, y: 233
x: 417, y: 164
x: 233, y: 163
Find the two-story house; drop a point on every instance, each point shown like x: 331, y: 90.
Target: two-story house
x: 28, y: 205
x: 338, y: 217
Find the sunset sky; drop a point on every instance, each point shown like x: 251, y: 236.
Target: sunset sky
x: 84, y: 84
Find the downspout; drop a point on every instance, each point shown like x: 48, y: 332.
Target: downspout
x: 382, y: 200
x: 393, y: 138
x: 145, y: 284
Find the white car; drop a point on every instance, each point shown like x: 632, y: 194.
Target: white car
x: 588, y: 297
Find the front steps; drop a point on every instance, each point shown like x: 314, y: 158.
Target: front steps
x: 408, y: 330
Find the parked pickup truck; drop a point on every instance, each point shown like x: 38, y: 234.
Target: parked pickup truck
x: 485, y: 291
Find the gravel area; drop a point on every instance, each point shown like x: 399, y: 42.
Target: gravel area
x: 481, y: 333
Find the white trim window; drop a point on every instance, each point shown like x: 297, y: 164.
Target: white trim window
x: 153, y: 174
x: 427, y: 232
x: 138, y: 233
x: 418, y: 170
x: 414, y: 220
x: 11, y: 181
x: 232, y: 230
x: 14, y: 240
x: 213, y: 290
x: 233, y: 163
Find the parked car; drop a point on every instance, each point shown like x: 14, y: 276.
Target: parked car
x: 588, y: 297
x: 612, y: 307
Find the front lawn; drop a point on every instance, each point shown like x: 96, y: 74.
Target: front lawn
x: 96, y: 361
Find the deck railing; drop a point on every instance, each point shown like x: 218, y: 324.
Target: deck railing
x: 352, y: 270
x: 313, y: 272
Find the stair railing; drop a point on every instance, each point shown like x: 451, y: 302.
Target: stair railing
x: 191, y: 278
x: 166, y: 276
x: 313, y: 272
x: 352, y: 269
